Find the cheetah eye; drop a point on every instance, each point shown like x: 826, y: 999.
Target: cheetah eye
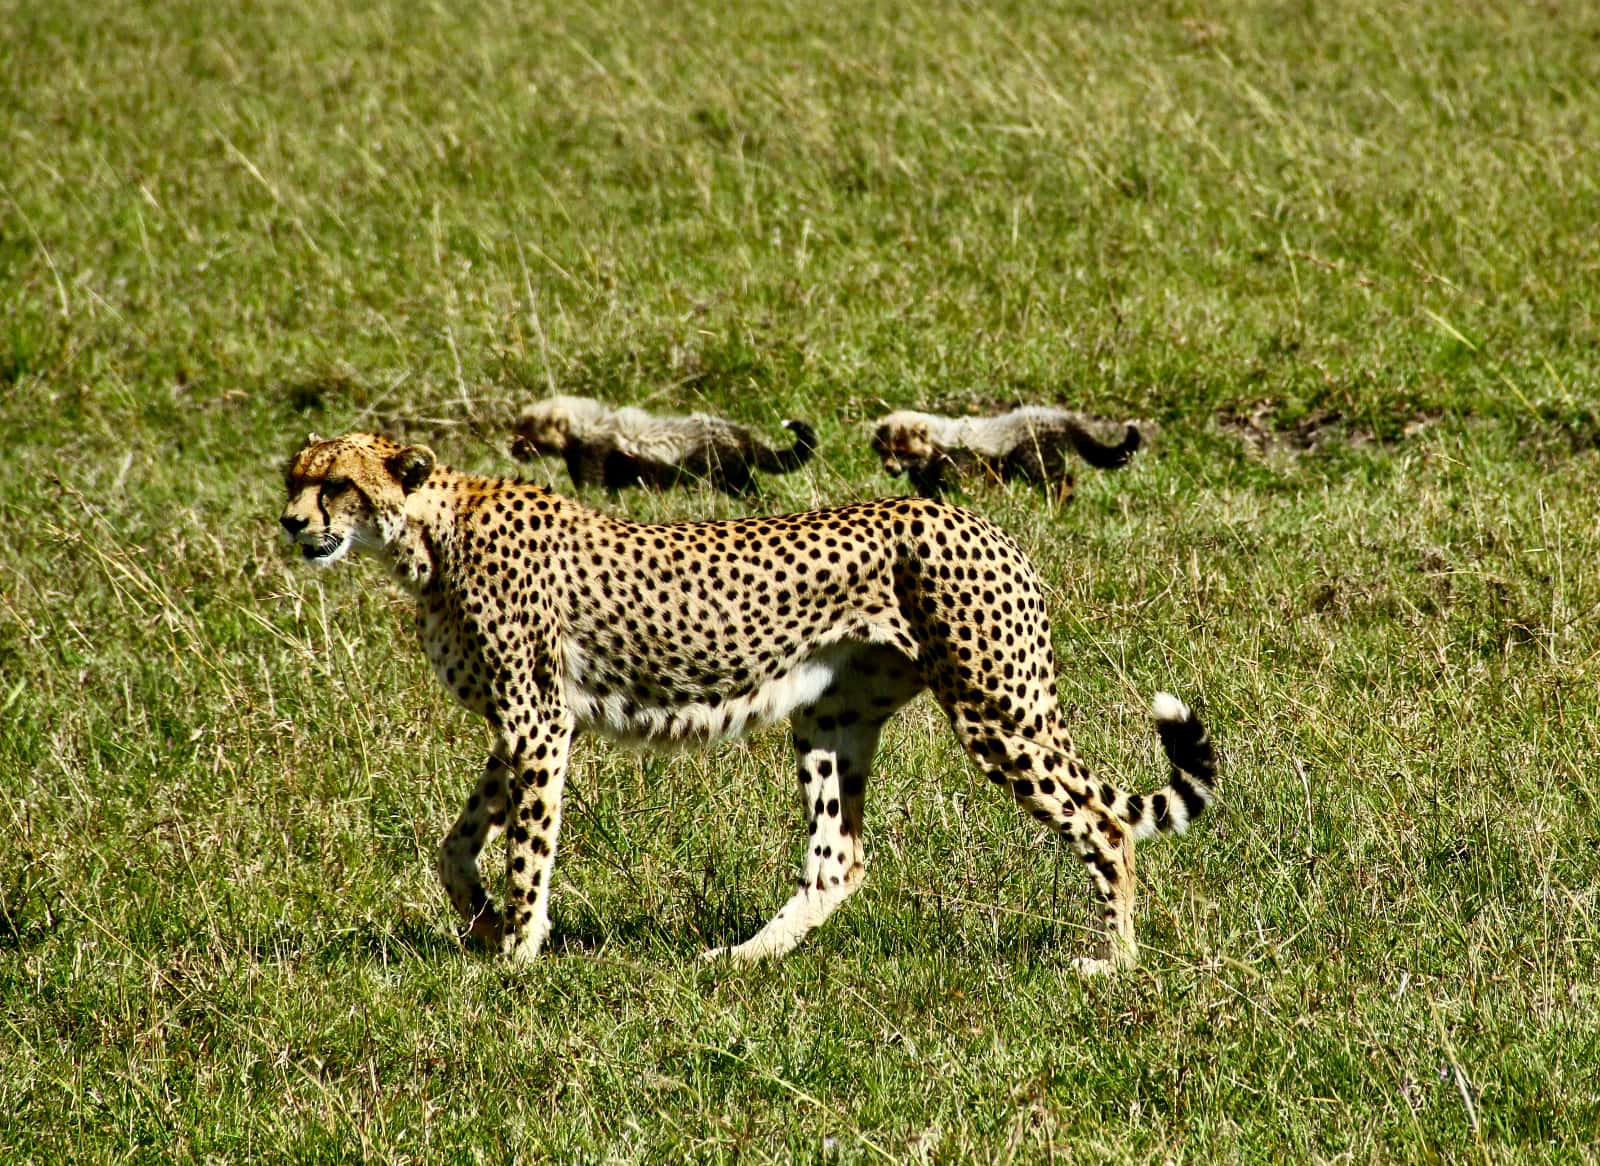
x: 333, y: 487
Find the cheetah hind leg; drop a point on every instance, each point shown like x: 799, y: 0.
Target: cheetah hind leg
x: 833, y: 765
x: 1116, y: 949
x: 834, y: 741
x: 1051, y: 785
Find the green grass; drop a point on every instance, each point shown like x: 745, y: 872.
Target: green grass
x: 222, y: 776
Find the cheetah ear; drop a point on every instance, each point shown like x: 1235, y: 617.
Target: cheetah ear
x: 411, y: 466
x: 313, y: 438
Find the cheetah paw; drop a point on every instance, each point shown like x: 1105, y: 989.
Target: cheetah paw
x: 1089, y: 966
x: 739, y: 955
x: 726, y: 955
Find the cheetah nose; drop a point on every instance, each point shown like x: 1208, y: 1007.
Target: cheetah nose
x: 292, y: 524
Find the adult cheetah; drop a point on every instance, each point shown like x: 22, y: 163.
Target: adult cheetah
x: 546, y: 618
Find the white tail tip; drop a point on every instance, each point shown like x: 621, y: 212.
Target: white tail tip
x: 1169, y: 708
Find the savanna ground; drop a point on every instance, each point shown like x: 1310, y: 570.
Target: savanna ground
x: 1343, y: 256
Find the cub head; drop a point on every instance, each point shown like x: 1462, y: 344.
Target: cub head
x: 549, y: 426
x: 901, y: 441
x: 350, y: 492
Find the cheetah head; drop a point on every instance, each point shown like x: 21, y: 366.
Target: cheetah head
x: 350, y: 493
x: 551, y: 425
x: 901, y: 440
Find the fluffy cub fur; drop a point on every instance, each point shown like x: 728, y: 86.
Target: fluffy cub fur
x: 618, y: 448
x: 1033, y: 443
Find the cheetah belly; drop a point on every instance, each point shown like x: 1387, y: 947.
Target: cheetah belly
x: 706, y: 716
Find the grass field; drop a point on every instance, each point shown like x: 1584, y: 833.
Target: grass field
x: 1344, y: 256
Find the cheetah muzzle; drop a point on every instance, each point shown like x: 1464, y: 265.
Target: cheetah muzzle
x: 325, y: 551
x: 547, y: 618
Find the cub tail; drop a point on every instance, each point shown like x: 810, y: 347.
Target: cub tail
x: 1193, y: 785
x: 1104, y: 456
x: 783, y: 461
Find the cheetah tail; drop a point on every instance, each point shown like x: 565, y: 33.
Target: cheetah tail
x: 1194, y: 774
x: 1101, y: 455
x: 782, y: 461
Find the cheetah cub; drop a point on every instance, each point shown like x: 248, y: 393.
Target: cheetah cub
x: 618, y: 448
x: 548, y: 619
x: 1033, y: 443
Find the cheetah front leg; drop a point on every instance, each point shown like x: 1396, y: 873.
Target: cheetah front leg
x: 540, y: 744
x: 481, y: 820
